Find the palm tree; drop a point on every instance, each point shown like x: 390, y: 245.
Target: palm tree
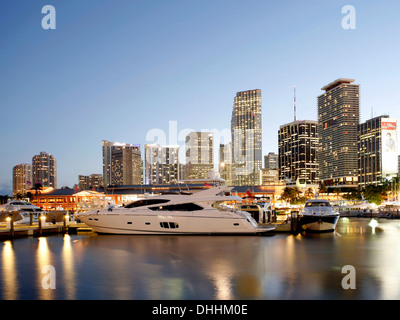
x: 309, y: 193
x: 290, y: 194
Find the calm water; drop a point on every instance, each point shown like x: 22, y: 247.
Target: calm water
x: 282, y: 266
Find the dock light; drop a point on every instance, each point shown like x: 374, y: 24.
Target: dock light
x: 373, y: 224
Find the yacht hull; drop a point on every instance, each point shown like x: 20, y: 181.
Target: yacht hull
x: 315, y: 223
x: 170, y: 225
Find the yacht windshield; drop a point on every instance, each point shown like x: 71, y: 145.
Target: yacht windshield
x: 317, y: 204
x: 146, y: 202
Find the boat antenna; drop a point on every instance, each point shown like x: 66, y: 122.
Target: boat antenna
x: 295, y: 118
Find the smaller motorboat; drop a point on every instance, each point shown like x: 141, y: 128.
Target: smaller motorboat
x: 318, y: 216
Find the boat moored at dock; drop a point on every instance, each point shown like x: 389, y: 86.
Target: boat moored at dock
x: 182, y: 212
x: 318, y: 216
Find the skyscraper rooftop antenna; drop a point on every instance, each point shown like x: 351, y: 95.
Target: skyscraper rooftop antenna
x: 295, y: 104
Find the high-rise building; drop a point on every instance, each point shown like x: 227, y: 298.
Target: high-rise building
x: 126, y: 165
x: 161, y: 164
x: 271, y: 161
x: 225, y: 162
x: 298, y: 144
x: 338, y: 120
x: 44, y: 170
x: 91, y: 181
x: 269, y: 177
x: 199, y: 155
x: 378, y: 151
x: 22, y: 178
x: 108, y: 147
x: 246, y: 132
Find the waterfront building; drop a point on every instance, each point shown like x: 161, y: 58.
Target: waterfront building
x: 269, y: 177
x: 22, y: 178
x: 161, y: 164
x: 126, y: 165
x: 225, y: 162
x: 199, y: 155
x: 108, y: 147
x: 338, y: 120
x: 297, y: 157
x: 246, y: 130
x: 78, y: 200
x: 377, y: 150
x: 271, y: 161
x: 44, y: 170
x: 90, y: 182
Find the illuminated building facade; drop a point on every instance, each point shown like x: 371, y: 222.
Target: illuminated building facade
x: 91, y: 181
x: 199, y: 155
x: 115, y: 148
x: 161, y: 164
x: 225, y: 162
x: 298, y: 145
x: 44, y: 170
x: 338, y: 120
x: 378, y: 150
x: 126, y: 165
x: 246, y: 133
x: 22, y: 178
x: 271, y: 161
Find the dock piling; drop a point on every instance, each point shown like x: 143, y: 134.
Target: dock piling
x: 293, y: 221
x: 10, y: 220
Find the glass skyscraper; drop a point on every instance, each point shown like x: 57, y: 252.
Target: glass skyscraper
x: 338, y: 120
x: 246, y: 130
x: 298, y: 144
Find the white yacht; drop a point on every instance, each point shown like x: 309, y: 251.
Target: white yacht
x: 318, y: 215
x: 18, y: 205
x: 202, y: 212
x: 21, y: 211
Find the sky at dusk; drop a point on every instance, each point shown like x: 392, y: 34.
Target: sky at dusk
x: 121, y: 69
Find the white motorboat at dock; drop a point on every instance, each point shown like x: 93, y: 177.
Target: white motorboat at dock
x: 184, y: 212
x: 318, y: 216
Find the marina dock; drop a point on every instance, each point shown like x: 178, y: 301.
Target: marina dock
x: 24, y: 230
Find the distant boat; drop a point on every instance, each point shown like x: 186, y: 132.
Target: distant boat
x: 23, y: 208
x: 318, y: 216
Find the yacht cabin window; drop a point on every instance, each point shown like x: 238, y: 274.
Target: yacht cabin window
x: 178, y: 207
x: 146, y: 202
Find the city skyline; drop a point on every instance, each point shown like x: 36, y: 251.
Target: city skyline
x: 116, y: 79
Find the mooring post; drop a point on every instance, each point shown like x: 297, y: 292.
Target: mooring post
x: 293, y: 221
x: 66, y: 218
x: 40, y: 223
x: 11, y: 218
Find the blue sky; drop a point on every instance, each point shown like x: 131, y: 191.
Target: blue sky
x: 117, y: 69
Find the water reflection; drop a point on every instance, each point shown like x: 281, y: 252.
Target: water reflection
x: 303, y: 266
x: 9, y: 272
x: 43, y: 259
x: 68, y: 264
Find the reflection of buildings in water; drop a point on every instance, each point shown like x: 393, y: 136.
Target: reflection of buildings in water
x: 221, y: 274
x: 385, y: 261
x: 9, y: 272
